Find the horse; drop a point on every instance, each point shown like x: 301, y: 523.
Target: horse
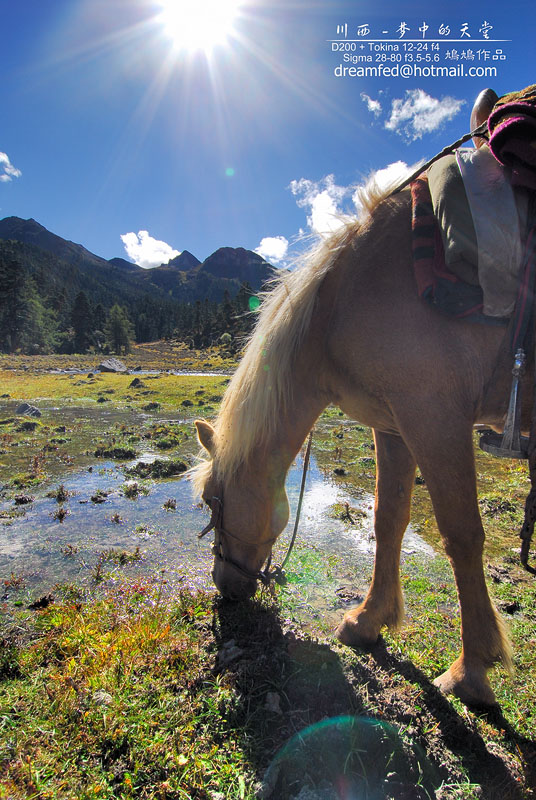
x: 348, y: 328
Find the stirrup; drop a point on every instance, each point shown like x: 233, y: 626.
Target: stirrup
x: 510, y: 443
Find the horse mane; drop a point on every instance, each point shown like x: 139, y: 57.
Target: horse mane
x: 260, y: 387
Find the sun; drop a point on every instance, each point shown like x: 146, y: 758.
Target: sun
x: 198, y: 24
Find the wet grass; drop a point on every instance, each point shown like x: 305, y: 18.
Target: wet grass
x: 188, y: 393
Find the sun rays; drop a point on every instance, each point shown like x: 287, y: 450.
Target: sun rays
x: 199, y: 24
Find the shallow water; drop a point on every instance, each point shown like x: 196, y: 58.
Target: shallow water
x: 40, y: 551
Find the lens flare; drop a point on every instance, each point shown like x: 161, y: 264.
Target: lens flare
x: 351, y: 758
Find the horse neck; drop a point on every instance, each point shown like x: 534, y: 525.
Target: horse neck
x: 301, y: 411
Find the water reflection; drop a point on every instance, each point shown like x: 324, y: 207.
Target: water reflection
x: 46, y: 551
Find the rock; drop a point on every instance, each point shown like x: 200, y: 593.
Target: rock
x: 27, y: 410
x: 137, y: 383
x: 112, y: 365
x: 272, y: 703
x: 102, y: 698
x: 229, y: 652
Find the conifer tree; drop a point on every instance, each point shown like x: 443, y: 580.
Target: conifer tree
x: 118, y: 330
x: 82, y: 322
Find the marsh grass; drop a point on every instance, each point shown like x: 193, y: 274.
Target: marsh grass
x: 132, y: 694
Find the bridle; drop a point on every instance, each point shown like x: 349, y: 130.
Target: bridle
x: 267, y: 573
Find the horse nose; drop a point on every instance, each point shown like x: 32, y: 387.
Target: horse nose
x: 235, y: 587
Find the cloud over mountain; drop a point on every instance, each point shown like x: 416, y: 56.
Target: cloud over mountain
x: 146, y: 251
x: 273, y: 248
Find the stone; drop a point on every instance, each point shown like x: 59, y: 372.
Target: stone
x: 112, y: 365
x: 25, y: 409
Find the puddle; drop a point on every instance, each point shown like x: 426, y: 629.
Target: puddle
x: 318, y: 528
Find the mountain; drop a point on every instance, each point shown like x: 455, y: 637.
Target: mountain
x: 56, y: 296
x: 184, y: 261
x: 31, y: 232
x: 184, y: 278
x: 240, y: 264
x: 122, y: 263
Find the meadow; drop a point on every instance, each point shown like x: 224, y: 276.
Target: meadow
x: 131, y: 682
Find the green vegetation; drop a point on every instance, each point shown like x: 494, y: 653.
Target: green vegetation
x: 133, y: 694
x: 49, y: 306
x: 119, y: 698
x: 134, y: 689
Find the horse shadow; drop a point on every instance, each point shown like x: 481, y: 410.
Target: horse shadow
x: 304, y: 700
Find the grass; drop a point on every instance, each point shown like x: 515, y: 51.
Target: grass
x: 167, y: 391
x: 119, y: 697
x: 129, y: 693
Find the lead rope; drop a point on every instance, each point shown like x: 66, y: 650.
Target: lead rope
x: 278, y: 573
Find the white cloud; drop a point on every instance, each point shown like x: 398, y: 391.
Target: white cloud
x: 145, y: 251
x: 419, y: 113
x: 373, y: 105
x: 7, y: 170
x: 386, y: 178
x: 323, y: 200
x: 273, y: 248
x: 329, y: 205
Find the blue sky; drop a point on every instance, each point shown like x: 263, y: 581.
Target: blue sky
x: 119, y: 132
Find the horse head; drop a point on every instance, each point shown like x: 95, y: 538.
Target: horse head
x: 249, y: 509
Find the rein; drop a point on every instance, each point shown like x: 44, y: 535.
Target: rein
x: 266, y: 575
x: 482, y: 131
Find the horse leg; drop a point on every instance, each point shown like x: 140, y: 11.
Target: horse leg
x: 444, y: 452
x: 384, y: 604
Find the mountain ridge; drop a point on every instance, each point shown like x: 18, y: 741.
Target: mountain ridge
x: 184, y: 278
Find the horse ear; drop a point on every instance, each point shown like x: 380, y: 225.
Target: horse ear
x: 205, y: 434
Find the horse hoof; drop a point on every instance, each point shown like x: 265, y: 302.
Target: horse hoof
x: 351, y: 633
x: 472, y: 690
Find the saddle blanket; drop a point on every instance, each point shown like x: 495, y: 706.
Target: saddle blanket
x: 438, y: 285
x: 436, y: 282
x: 482, y: 222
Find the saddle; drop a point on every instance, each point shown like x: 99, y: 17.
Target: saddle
x: 483, y: 224
x: 482, y: 201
